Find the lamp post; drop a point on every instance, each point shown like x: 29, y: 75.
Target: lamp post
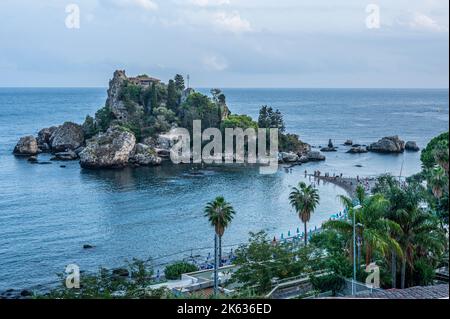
x: 355, y: 209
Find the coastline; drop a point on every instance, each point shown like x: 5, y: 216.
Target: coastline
x: 349, y: 184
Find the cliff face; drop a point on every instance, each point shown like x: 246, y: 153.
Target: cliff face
x: 113, y: 102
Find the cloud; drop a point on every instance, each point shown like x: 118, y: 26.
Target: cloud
x: 231, y: 22
x: 421, y: 21
x: 206, y: 3
x: 149, y: 5
x: 215, y: 63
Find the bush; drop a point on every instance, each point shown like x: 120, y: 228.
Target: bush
x: 131, y: 92
x: 241, y: 121
x: 89, y: 127
x: 290, y: 143
x: 133, y: 129
x: 326, y: 283
x: 427, y: 155
x: 174, y: 271
x: 103, y: 119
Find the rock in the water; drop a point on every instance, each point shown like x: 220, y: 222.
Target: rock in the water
x: 289, y: 157
x: 26, y: 146
x: 111, y: 149
x: 87, y: 246
x: 315, y: 156
x: 68, y: 136
x: 411, y: 146
x: 303, y: 159
x: 329, y: 148
x: 391, y: 144
x: 348, y: 142
x: 32, y: 159
x: 145, y: 155
x: 65, y: 156
x: 357, y: 150
x: 43, y: 138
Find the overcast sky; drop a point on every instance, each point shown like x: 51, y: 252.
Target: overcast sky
x: 227, y: 43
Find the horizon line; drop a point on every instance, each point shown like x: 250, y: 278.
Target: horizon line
x: 242, y: 88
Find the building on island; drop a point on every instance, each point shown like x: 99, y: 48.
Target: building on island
x: 144, y: 80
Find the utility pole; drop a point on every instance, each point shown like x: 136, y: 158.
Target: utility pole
x: 355, y: 209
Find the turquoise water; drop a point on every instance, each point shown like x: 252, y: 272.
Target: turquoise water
x: 47, y: 213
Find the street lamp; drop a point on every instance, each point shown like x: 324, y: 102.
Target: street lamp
x: 355, y: 209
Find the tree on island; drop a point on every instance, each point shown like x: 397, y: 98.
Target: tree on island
x: 220, y: 214
x: 304, y: 200
x: 268, y: 118
x: 179, y: 82
x: 172, y: 96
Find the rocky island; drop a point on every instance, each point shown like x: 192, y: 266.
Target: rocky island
x: 133, y: 128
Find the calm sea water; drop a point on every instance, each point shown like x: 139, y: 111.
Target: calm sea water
x: 47, y: 213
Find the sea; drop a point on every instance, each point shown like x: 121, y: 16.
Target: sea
x: 47, y: 213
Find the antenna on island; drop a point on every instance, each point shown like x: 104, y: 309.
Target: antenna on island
x: 188, y: 81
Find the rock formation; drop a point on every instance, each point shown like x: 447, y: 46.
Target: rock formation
x: 348, y: 143
x: 144, y: 155
x: 329, y: 148
x: 391, y: 144
x: 315, y: 156
x: 43, y: 138
x: 357, y: 150
x: 113, y: 102
x: 411, y: 146
x: 26, y: 146
x: 111, y: 149
x: 68, y: 136
x: 288, y: 157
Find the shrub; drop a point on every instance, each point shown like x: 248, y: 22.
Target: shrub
x: 326, y: 283
x: 241, y: 121
x: 103, y: 119
x: 427, y: 155
x: 174, y: 271
x: 131, y: 92
x: 89, y: 127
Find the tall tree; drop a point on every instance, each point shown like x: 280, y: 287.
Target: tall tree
x: 304, y: 200
x: 172, y: 96
x: 220, y: 213
x: 374, y: 228
x: 154, y: 97
x: 179, y: 82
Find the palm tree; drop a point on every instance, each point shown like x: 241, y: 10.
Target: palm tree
x: 441, y: 155
x: 438, y: 181
x: 304, y: 200
x: 420, y: 236
x: 374, y: 229
x: 220, y: 214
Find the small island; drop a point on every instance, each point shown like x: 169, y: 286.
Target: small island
x: 133, y: 128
